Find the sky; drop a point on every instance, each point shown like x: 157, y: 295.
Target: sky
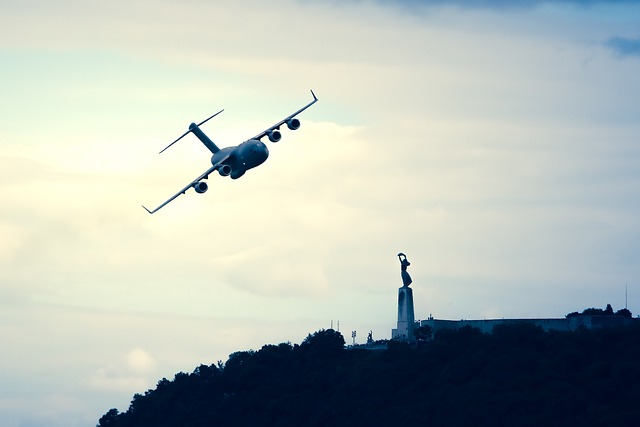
x: 496, y: 144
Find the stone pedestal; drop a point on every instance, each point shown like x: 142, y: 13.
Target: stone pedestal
x: 406, y: 317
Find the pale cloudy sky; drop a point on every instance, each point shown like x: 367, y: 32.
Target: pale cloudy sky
x: 496, y: 143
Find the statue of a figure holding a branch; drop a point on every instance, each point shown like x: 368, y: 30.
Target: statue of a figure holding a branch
x: 404, y: 263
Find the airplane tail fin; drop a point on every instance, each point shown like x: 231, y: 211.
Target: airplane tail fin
x: 210, y: 145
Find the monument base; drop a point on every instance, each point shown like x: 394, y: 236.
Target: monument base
x: 406, y: 317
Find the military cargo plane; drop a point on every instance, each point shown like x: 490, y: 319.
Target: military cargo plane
x: 234, y: 161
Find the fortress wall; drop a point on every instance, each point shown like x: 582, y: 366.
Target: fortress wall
x: 590, y: 322
x: 486, y: 326
x: 561, y: 324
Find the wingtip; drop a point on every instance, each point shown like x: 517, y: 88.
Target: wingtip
x: 145, y: 208
x: 314, y: 95
x: 165, y: 148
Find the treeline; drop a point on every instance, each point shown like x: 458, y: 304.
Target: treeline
x: 517, y: 376
x: 608, y: 311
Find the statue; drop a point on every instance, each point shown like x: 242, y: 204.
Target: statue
x: 404, y: 263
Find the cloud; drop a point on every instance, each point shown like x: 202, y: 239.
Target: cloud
x: 623, y: 46
x: 133, y: 372
x: 139, y: 361
x: 501, y: 4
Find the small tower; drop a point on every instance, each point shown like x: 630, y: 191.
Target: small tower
x: 406, y: 316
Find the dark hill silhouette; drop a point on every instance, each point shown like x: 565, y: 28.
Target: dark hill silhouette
x: 517, y: 376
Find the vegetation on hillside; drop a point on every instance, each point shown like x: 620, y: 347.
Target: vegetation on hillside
x: 517, y: 376
x: 608, y: 311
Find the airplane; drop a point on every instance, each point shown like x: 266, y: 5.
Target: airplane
x: 234, y: 161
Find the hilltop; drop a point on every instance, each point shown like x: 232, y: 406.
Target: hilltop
x: 519, y: 375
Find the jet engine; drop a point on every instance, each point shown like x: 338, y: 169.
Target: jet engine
x: 293, y: 124
x: 200, y: 187
x: 224, y: 170
x: 274, y: 135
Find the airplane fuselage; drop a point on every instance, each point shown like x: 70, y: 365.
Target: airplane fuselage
x: 234, y: 161
x: 241, y: 158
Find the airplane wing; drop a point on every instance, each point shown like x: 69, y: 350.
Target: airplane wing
x: 205, y: 175
x: 285, y: 120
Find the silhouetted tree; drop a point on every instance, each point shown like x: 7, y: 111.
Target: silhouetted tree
x: 324, y: 342
x: 109, y: 419
x: 608, y: 310
x: 624, y: 312
x: 423, y: 333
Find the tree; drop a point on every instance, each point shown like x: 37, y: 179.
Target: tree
x: 324, y: 342
x: 109, y: 419
x: 423, y: 333
x: 608, y: 311
x: 624, y: 313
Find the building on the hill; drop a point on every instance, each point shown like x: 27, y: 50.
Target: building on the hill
x: 560, y: 324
